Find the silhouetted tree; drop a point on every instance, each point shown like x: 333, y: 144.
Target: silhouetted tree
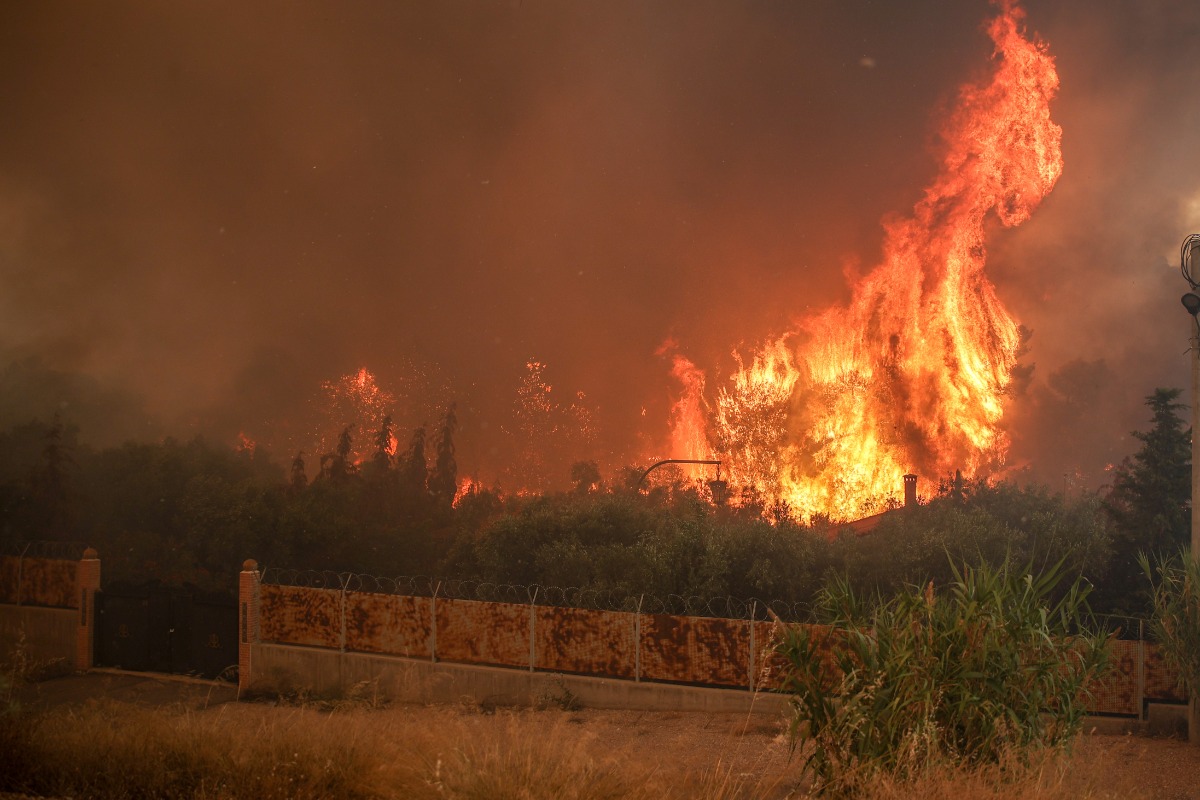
x: 585, y: 476
x: 336, y: 466
x: 1150, y: 498
x: 298, y: 479
x: 443, y: 482
x: 383, y: 445
x: 415, y: 470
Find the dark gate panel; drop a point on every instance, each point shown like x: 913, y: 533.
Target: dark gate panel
x: 155, y: 628
x: 122, y: 631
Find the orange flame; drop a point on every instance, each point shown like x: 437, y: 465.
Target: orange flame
x: 689, y: 428
x: 912, y: 375
x: 356, y: 401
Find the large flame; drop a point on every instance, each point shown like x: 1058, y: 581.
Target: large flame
x: 912, y: 375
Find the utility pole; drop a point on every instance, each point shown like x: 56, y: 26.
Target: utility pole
x: 1189, y: 265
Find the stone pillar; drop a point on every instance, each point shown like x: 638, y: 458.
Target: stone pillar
x: 910, y: 490
x: 247, y: 620
x: 87, y: 581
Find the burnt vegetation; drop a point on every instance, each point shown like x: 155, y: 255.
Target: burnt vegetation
x: 193, y: 511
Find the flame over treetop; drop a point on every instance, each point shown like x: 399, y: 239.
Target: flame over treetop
x: 911, y: 375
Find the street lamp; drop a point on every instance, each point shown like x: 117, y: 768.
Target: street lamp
x: 718, y: 487
x: 1189, y: 264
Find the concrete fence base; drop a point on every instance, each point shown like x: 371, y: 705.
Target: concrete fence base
x: 279, y: 667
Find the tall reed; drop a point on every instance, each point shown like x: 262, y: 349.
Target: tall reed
x: 993, y: 669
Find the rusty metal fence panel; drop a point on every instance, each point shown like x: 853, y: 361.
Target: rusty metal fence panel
x: 392, y: 624
x: 770, y: 666
x: 300, y: 615
x: 584, y: 641
x: 475, y: 632
x: 10, y: 571
x: 1162, y: 682
x: 49, y: 582
x: 695, y: 650
x: 710, y: 651
x: 1118, y: 693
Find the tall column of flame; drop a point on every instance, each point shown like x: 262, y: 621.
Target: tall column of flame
x: 912, y: 374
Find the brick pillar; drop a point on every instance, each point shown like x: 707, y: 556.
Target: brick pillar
x: 87, y: 580
x: 247, y: 619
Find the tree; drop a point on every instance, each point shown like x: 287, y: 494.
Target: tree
x: 299, y: 479
x: 383, y: 446
x: 443, y: 482
x: 415, y: 471
x: 585, y: 475
x: 1150, y: 498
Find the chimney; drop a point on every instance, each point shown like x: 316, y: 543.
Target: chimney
x: 910, y: 490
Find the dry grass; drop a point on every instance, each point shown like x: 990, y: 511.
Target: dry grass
x: 109, y: 750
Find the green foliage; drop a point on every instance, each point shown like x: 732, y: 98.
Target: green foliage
x: 990, y: 667
x: 1150, y: 500
x: 1175, y: 623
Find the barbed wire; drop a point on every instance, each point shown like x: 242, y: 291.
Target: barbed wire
x: 44, y: 548
x: 726, y: 607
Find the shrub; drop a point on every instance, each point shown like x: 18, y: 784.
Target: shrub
x: 1175, y: 623
x: 989, y: 669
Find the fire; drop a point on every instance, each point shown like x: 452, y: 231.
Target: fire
x: 355, y: 401
x: 911, y: 376
x: 689, y: 438
x: 245, y: 443
x: 467, y: 487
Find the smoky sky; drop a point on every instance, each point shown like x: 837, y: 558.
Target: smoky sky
x: 213, y: 207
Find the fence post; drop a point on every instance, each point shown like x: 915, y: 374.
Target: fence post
x: 248, y: 604
x: 637, y: 641
x: 433, y: 623
x: 87, y: 579
x: 532, y: 624
x: 1141, y: 670
x: 753, y: 612
x: 21, y: 574
x: 345, y: 581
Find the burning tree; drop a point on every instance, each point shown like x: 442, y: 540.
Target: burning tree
x: 912, y: 375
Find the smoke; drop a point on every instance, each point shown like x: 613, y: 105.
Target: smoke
x: 211, y: 209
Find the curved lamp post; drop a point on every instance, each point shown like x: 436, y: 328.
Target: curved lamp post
x: 717, y: 487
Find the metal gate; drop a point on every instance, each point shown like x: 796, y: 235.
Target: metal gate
x: 176, y: 629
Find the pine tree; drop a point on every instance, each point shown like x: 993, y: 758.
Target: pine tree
x: 443, y: 483
x: 383, y: 446
x: 299, y: 479
x: 415, y: 470
x: 1150, y: 498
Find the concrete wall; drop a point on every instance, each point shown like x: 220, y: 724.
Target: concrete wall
x: 50, y: 633
x: 328, y: 672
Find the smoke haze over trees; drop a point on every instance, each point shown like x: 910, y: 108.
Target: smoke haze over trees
x: 209, y: 211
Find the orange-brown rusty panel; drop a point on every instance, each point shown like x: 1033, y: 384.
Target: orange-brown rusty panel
x: 1162, y: 682
x: 483, y: 633
x: 49, y: 582
x: 696, y: 650
x: 385, y: 623
x: 1117, y: 693
x: 9, y: 570
x: 768, y: 665
x: 585, y: 641
x: 300, y: 615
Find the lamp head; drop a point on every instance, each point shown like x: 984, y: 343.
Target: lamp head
x: 1192, y: 303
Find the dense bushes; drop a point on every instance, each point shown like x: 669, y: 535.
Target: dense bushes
x: 990, y: 668
x: 194, y: 511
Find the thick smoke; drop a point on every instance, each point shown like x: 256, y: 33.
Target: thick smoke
x: 209, y: 209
